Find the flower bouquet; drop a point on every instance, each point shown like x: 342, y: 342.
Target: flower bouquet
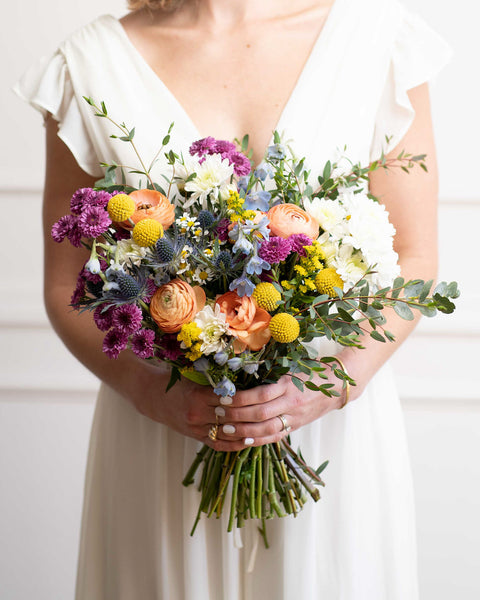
x: 230, y: 275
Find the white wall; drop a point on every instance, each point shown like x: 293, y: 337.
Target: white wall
x: 44, y: 436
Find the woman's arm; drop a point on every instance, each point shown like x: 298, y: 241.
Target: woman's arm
x: 187, y: 408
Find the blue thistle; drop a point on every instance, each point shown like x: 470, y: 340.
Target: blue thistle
x: 164, y: 250
x: 129, y: 286
x: 206, y: 219
x: 224, y: 261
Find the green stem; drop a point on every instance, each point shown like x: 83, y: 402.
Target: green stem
x: 236, y: 479
x: 190, y: 476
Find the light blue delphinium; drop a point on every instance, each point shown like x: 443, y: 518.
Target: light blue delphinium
x: 250, y: 368
x: 220, y: 358
x: 276, y: 152
x: 235, y: 363
x: 263, y: 171
x: 242, y: 285
x: 257, y: 265
x: 225, y: 388
x: 258, y: 201
x: 201, y: 365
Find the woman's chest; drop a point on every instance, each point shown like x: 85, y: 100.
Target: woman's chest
x: 233, y: 85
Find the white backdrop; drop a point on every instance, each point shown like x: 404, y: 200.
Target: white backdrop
x: 47, y: 398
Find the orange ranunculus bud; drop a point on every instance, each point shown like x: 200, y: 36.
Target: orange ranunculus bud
x: 176, y: 303
x: 151, y: 204
x: 247, y: 321
x: 287, y: 219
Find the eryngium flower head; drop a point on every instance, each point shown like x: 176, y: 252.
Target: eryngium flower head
x: 164, y: 250
x: 206, y: 219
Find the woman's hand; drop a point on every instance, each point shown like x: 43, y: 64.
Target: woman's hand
x: 252, y: 419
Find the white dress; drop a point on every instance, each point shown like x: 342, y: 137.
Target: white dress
x: 358, y: 542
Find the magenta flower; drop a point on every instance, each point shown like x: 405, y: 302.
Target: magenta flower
x: 75, y: 234
x: 203, y: 146
x: 81, y: 198
x: 169, y: 347
x: 298, y: 241
x: 222, y: 230
x: 94, y: 221
x: 101, y: 198
x: 241, y: 164
x: 79, y: 291
x: 150, y: 289
x: 114, y: 342
x: 103, y: 317
x: 142, y: 343
x: 275, y: 249
x: 224, y: 147
x: 127, y: 318
x: 62, y: 227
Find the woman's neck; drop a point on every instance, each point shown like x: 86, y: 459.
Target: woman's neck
x: 227, y: 14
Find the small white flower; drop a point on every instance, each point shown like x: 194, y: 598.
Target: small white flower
x: 212, y: 174
x: 93, y: 266
x: 214, y: 329
x: 329, y: 214
x: 127, y: 251
x: 202, y: 274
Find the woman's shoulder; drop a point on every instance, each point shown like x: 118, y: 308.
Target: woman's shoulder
x: 95, y: 39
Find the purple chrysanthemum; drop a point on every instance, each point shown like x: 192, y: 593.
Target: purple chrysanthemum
x: 62, y: 227
x: 298, y: 241
x: 101, y: 198
x: 127, y: 318
x: 114, y: 342
x: 75, y: 234
x: 203, y: 146
x: 121, y: 234
x: 79, y: 291
x: 222, y: 230
x: 142, y: 343
x: 275, y: 249
x: 169, y: 347
x: 94, y: 221
x: 80, y: 199
x: 224, y: 147
x: 103, y: 317
x: 241, y: 164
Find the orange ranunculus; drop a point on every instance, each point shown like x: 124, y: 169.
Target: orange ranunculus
x: 176, y: 303
x: 287, y: 219
x: 247, y: 321
x: 151, y: 204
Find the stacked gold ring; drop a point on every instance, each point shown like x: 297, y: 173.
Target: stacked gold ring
x: 286, y: 427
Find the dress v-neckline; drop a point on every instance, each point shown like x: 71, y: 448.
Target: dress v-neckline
x: 302, y: 77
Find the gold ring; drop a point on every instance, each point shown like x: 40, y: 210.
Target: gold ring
x: 212, y: 432
x: 286, y: 427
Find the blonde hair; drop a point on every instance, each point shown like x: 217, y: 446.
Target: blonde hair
x: 154, y: 4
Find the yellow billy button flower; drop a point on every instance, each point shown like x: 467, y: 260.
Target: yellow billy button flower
x: 284, y: 328
x: 266, y: 296
x: 326, y: 280
x: 121, y: 207
x: 146, y: 232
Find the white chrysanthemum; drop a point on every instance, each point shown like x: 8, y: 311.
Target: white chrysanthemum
x: 212, y: 174
x: 349, y: 265
x: 129, y: 252
x: 329, y: 214
x: 329, y: 247
x: 214, y: 329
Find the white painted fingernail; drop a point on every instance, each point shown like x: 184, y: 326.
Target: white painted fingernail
x: 248, y: 441
x: 226, y: 400
x: 229, y: 429
x: 219, y: 411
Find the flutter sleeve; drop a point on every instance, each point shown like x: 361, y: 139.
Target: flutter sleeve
x: 47, y: 86
x: 417, y: 55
